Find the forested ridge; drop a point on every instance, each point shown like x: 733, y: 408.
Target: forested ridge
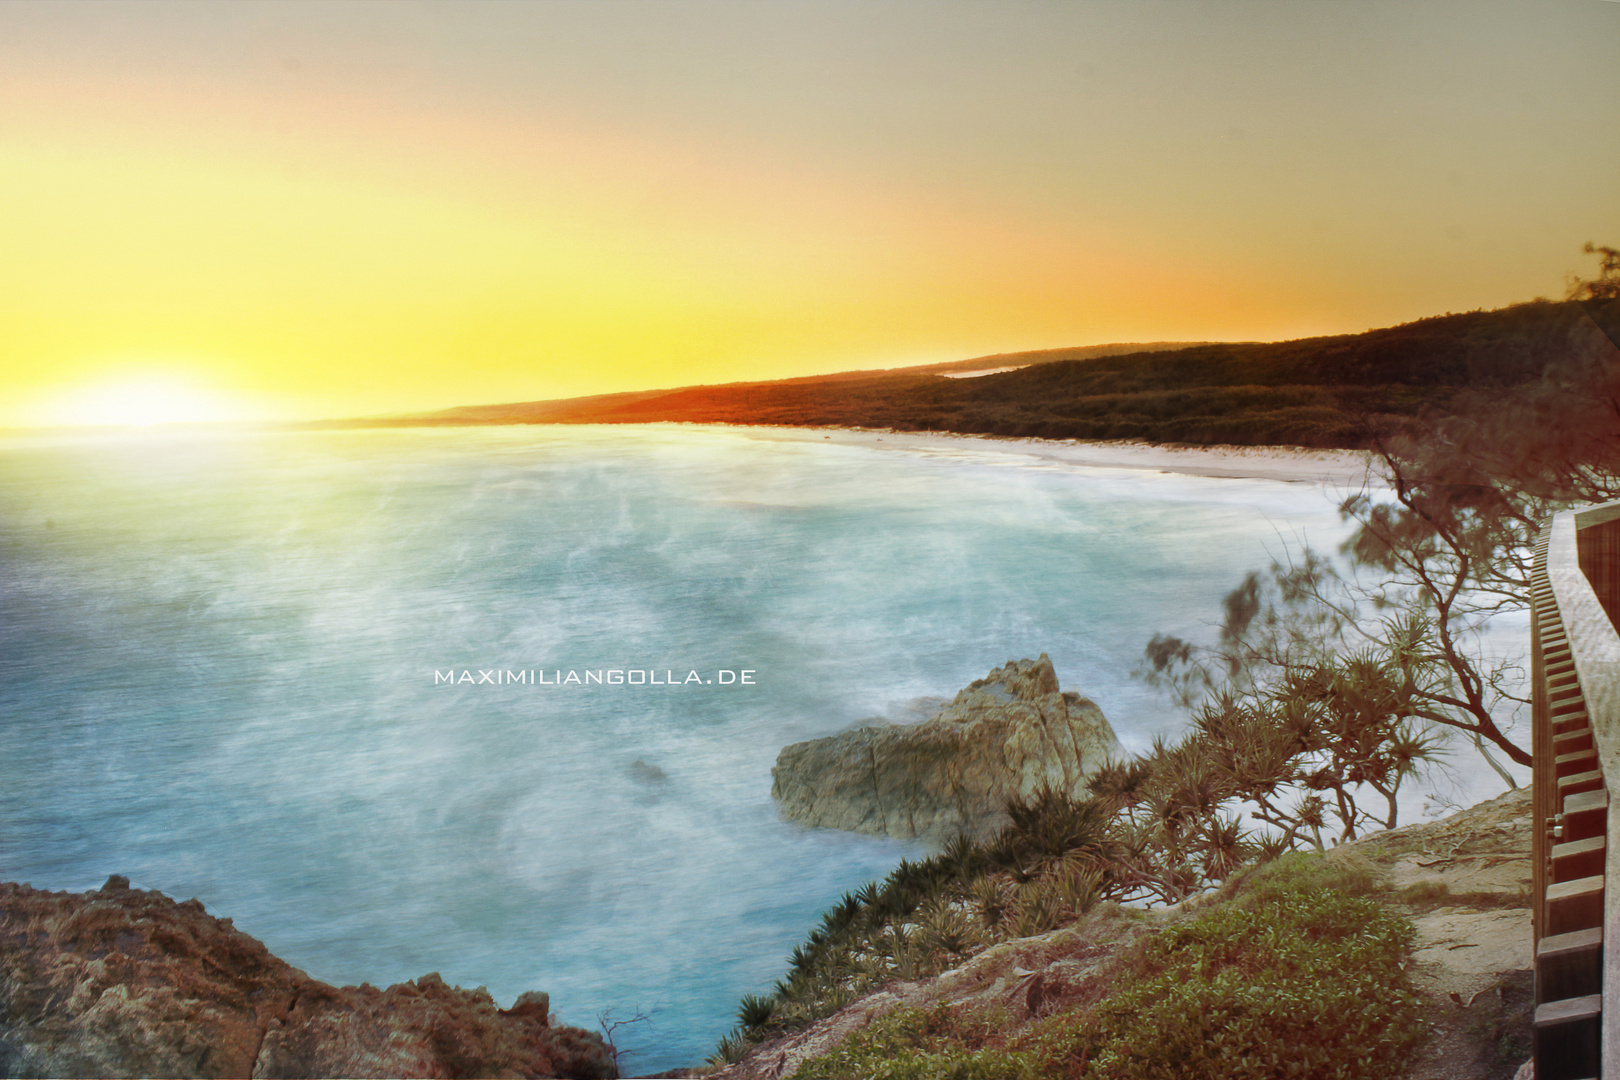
x: 1346, y: 391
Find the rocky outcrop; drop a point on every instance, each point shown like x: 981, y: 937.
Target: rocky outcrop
x: 123, y: 982
x: 1006, y: 735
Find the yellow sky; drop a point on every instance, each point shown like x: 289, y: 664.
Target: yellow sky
x: 318, y: 210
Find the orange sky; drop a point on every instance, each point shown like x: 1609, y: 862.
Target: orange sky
x: 338, y: 209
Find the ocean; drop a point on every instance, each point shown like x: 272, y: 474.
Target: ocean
x: 299, y: 676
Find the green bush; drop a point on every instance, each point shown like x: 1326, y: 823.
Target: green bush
x: 1244, y: 1026
x: 913, y: 1044
x: 1306, y: 872
x: 1424, y: 894
x: 1289, y: 980
x: 1291, y: 977
x: 1050, y: 828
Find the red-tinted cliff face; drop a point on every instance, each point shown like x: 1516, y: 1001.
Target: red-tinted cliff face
x: 121, y: 982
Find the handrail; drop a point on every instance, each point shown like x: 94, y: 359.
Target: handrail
x: 1575, y: 676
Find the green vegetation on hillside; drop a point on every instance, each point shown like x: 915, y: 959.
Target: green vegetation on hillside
x: 1292, y: 976
x: 1342, y: 391
x: 1042, y: 872
x: 1151, y: 831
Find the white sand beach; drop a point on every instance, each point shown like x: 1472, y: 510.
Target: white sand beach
x: 1340, y: 468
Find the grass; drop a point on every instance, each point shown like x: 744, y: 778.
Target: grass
x: 1429, y: 895
x: 1288, y: 974
x: 918, y: 1044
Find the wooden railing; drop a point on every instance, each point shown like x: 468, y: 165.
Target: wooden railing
x: 1575, y: 673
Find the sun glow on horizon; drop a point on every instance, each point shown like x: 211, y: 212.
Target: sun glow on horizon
x: 143, y: 400
x: 284, y: 211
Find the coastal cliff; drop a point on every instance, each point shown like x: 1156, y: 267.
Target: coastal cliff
x: 125, y: 982
x: 1005, y: 736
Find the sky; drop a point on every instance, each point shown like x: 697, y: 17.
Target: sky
x: 301, y: 210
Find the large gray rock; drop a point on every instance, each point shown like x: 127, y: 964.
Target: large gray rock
x: 1006, y: 735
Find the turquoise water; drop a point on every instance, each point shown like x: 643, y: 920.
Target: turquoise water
x: 218, y: 657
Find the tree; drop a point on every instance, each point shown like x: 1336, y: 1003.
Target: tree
x: 1445, y: 525
x: 1304, y: 748
x: 1310, y: 744
x: 1302, y: 640
x: 1170, y: 835
x: 610, y: 1028
x: 1606, y: 286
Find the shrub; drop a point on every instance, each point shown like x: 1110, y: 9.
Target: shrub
x: 730, y: 1049
x: 913, y: 1044
x: 755, y: 1011
x: 1291, y: 977
x: 1048, y: 829
x: 1304, y: 872
x: 1289, y: 980
x: 1291, y: 972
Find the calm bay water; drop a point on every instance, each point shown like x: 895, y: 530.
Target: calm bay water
x: 218, y: 657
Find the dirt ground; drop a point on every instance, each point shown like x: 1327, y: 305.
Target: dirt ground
x: 1465, y: 882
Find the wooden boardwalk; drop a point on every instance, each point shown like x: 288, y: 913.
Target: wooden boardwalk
x: 1575, y: 672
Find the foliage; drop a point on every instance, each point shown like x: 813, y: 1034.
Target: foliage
x: 1049, y: 831
x: 731, y: 1048
x: 914, y: 1044
x: 1047, y: 868
x: 1172, y: 834
x: 1606, y: 286
x: 1291, y: 978
x: 1301, y: 751
x: 1340, y: 391
x: 1307, y: 873
x: 1427, y: 895
x: 1327, y: 687
x: 1448, y: 535
x: 1145, y: 838
x: 1154, y: 831
x: 1298, y: 722
x: 1444, y: 531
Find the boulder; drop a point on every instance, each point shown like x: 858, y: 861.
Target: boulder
x: 125, y: 982
x: 1006, y: 735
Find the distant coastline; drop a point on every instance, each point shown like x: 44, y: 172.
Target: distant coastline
x: 1345, y: 392
x: 1292, y: 464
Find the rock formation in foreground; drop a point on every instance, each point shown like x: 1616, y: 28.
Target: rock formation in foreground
x: 122, y: 982
x: 1008, y: 734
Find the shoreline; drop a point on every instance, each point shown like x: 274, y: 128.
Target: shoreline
x: 1288, y: 464
x: 1221, y: 461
